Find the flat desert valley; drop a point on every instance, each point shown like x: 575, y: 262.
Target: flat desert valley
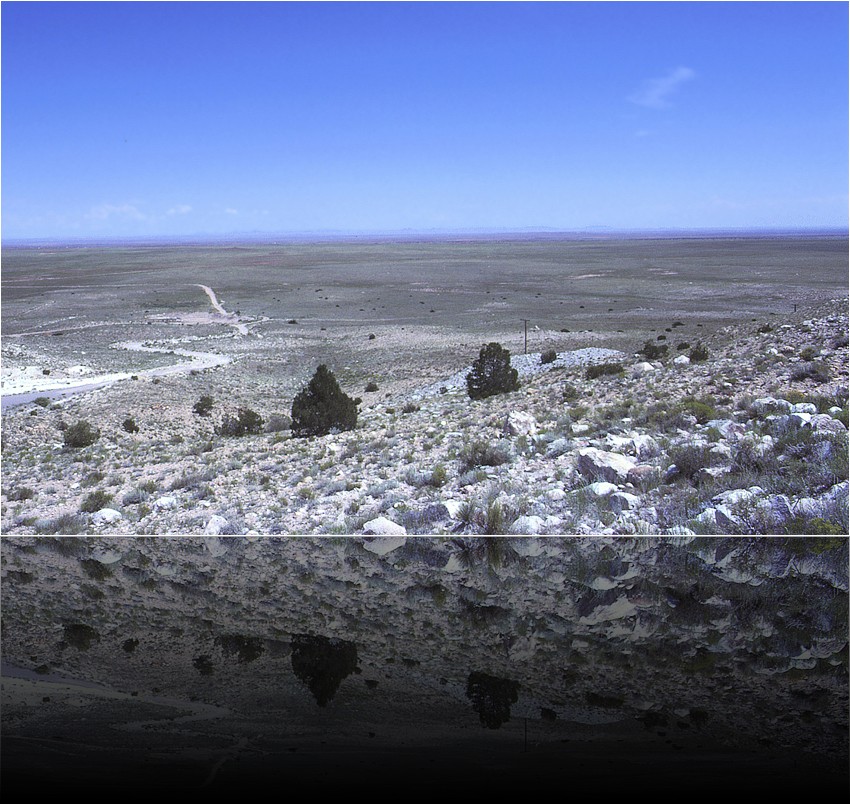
x: 153, y: 328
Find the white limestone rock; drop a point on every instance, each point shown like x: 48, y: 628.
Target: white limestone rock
x: 595, y: 464
x: 106, y: 516
x: 528, y: 525
x: 215, y: 525
x: 520, y: 423
x: 623, y: 501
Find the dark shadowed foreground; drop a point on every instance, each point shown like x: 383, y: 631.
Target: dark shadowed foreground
x: 396, y: 666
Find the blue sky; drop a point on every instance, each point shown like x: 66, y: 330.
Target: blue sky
x: 147, y: 119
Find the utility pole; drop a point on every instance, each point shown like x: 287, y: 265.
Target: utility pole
x: 525, y: 347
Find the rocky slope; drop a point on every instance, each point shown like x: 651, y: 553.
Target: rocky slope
x: 750, y: 440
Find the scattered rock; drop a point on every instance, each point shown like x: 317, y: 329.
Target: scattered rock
x: 381, y: 526
x: 520, y: 423
x: 621, y: 501
x: 215, y: 525
x: 595, y: 464
x: 106, y: 516
x: 601, y: 488
x: 528, y: 524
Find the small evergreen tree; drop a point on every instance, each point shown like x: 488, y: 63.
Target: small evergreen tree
x: 322, y: 406
x: 492, y: 373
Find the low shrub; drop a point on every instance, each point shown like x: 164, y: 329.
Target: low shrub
x: 570, y: 393
x: 371, y: 387
x: 41, y: 401
x: 79, y: 435
x: 690, y: 458
x: 808, y: 353
x: 816, y: 372
x: 63, y: 525
x: 95, y: 501
x: 701, y: 409
x: 19, y: 494
x: 549, y: 356
x: 277, y: 422
x: 601, y: 369
x: 698, y: 354
x: 203, y: 406
x: 654, y: 351
x: 130, y: 425
x: 245, y: 422
x: 481, y: 453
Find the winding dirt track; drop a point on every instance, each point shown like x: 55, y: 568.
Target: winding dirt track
x: 196, y: 361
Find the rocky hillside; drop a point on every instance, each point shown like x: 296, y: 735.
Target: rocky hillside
x: 711, y: 646
x: 744, y: 432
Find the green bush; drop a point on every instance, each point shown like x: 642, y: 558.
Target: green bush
x: 816, y: 372
x: 371, y: 387
x: 698, y: 353
x: 278, y: 422
x: 203, y: 406
x: 81, y: 434
x: 245, y: 422
x: 480, y: 453
x: 700, y: 409
x: 491, y: 373
x: 690, y: 458
x: 549, y: 356
x: 19, y: 494
x: 41, y: 401
x: 322, y: 406
x: 654, y: 351
x: 95, y: 501
x: 602, y: 369
x: 809, y: 353
x: 130, y: 425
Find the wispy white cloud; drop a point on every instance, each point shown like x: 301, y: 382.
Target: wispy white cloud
x: 180, y: 209
x: 655, y: 93
x: 104, y: 212
x: 231, y: 211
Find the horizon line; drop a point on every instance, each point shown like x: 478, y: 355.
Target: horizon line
x: 585, y: 233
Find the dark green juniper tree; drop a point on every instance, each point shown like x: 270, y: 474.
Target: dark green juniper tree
x: 322, y: 406
x: 492, y: 373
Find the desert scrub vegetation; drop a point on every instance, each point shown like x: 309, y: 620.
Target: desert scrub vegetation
x: 203, y: 406
x: 322, y: 406
x: 602, y: 369
x: 79, y: 435
x: 549, y: 356
x: 246, y: 422
x: 654, y: 351
x: 816, y: 372
x: 129, y: 425
x: 491, y: 373
x: 698, y: 354
x: 482, y: 453
x: 94, y: 501
x: 20, y: 494
x: 64, y: 525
